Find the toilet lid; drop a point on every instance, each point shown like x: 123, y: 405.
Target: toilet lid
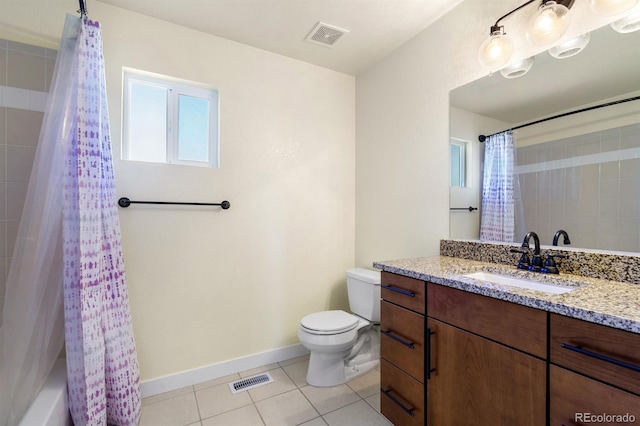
x: 329, y: 322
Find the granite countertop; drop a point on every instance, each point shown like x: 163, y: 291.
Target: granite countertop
x: 611, y: 303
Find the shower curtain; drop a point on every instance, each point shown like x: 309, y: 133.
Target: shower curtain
x: 502, y: 215
x: 67, y: 254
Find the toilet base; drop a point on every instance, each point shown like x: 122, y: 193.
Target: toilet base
x: 336, y: 368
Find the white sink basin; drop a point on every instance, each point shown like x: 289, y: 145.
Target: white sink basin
x: 518, y: 282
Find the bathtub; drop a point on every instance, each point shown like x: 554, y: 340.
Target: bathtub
x: 51, y: 406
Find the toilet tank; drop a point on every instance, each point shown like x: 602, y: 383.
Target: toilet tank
x: 363, y: 286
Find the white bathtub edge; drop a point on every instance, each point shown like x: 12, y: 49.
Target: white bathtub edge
x: 51, y: 406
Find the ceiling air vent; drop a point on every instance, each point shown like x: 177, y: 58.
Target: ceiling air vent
x: 325, y: 35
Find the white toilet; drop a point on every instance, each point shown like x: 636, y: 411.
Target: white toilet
x: 344, y: 346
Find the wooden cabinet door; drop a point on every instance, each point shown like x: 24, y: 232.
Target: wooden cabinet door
x: 579, y: 400
x: 475, y: 381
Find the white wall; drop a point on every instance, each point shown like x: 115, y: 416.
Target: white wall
x: 402, y: 110
x: 208, y: 285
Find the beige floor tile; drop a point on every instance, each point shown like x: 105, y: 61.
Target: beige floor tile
x: 290, y: 408
x: 374, y: 401
x: 298, y: 372
x: 244, y: 416
x: 330, y: 398
x: 167, y: 395
x: 219, y: 399
x: 358, y: 414
x: 218, y: 381
x: 366, y: 385
x: 177, y: 411
x: 281, y: 383
x: 318, y: 421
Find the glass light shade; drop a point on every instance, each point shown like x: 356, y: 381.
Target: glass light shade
x: 495, y: 51
x: 611, y: 7
x: 568, y: 48
x: 548, y: 24
x: 517, y: 69
x: 628, y: 24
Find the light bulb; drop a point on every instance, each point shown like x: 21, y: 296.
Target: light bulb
x: 628, y: 24
x: 495, y: 51
x: 548, y: 24
x: 517, y: 69
x: 571, y: 47
x: 612, y: 7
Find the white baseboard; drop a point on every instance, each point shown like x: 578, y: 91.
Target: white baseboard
x: 213, y: 371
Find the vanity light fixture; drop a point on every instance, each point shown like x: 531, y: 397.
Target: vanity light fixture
x: 517, y: 69
x: 628, y: 24
x: 548, y: 24
x: 571, y: 47
x: 495, y: 51
x: 545, y: 27
x: 611, y: 7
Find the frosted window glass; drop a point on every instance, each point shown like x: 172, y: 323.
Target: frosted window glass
x: 193, y: 129
x: 147, y: 123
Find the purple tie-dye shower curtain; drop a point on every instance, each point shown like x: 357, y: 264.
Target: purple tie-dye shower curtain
x: 502, y: 215
x: 102, y: 366
x: 67, y: 255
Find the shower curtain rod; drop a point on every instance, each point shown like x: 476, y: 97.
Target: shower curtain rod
x: 482, y: 138
x: 125, y: 202
x: 83, y: 8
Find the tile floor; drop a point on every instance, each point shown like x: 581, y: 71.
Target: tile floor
x: 286, y: 401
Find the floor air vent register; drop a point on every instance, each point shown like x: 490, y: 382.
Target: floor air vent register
x: 250, y: 382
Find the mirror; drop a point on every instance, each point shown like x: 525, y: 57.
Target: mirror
x: 580, y: 173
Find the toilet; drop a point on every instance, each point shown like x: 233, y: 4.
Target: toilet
x: 345, y: 345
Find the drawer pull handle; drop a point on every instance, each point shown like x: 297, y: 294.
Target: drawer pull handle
x: 397, y: 339
x: 409, y: 411
x: 601, y: 357
x: 429, y: 369
x: 399, y: 290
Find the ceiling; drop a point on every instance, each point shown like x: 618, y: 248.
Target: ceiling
x: 376, y: 27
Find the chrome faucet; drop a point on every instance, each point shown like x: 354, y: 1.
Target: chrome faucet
x: 557, y: 235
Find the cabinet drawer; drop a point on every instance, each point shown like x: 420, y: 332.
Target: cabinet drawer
x: 514, y: 325
x: 613, y: 344
x: 402, y: 339
x: 404, y: 291
x: 401, y: 396
x: 574, y: 396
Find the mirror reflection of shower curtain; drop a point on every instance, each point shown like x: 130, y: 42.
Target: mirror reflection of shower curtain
x: 66, y: 280
x: 502, y: 217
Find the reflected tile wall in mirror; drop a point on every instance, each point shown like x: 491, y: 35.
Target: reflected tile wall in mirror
x: 587, y: 185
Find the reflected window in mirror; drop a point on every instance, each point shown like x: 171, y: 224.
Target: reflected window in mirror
x: 458, y: 160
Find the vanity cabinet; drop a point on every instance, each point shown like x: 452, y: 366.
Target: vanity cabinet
x: 486, y: 361
x: 402, y: 349
x: 595, y: 370
x: 452, y: 357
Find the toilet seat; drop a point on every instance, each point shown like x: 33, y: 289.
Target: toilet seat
x: 329, y: 322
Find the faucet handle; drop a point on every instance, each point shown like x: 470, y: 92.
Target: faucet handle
x: 524, y: 261
x: 550, y: 266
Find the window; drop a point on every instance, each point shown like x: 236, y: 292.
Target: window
x: 166, y: 121
x: 458, y: 163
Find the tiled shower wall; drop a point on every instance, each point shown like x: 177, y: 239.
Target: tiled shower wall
x: 588, y: 185
x: 25, y: 76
